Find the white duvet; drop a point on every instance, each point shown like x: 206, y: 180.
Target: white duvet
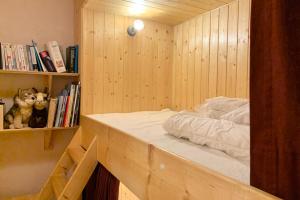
x: 223, y: 135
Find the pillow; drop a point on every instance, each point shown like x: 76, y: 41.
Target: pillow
x: 223, y: 135
x: 240, y: 115
x: 218, y: 106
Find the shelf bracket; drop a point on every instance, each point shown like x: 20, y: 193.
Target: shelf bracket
x: 48, y: 145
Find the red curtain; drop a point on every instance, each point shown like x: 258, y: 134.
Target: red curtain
x: 101, y: 186
x: 275, y: 97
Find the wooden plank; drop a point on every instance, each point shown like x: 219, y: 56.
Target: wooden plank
x: 214, y: 45
x: 109, y: 56
x: 184, y: 67
x: 163, y: 11
x: 98, y: 62
x: 191, y: 64
x: 222, y: 52
x: 178, y: 67
x: 118, y: 63
x: 205, y: 57
x: 232, y: 50
x: 82, y: 173
x: 198, y: 62
x: 243, y: 48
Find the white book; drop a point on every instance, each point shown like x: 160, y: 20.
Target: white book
x: 26, y: 58
x: 22, y: 57
x: 56, y: 57
x: 8, y: 57
x: 14, y: 51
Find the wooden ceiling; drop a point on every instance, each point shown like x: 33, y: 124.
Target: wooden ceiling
x: 166, y: 11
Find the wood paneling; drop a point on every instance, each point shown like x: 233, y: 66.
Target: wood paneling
x: 211, y: 56
x: 121, y: 73
x: 165, y: 11
x: 152, y: 173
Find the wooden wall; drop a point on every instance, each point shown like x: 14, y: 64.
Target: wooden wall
x: 121, y: 73
x: 211, y: 56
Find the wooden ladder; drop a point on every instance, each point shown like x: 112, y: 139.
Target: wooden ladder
x: 70, y: 174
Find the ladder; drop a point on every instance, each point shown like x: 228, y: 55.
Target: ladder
x: 70, y: 174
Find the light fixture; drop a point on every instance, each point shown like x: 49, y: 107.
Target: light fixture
x: 138, y: 25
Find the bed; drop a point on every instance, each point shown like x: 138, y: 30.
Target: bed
x: 155, y: 165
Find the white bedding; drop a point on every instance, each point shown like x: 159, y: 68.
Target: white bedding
x: 147, y: 126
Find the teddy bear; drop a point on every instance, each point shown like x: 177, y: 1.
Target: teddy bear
x: 18, y: 116
x: 39, y: 115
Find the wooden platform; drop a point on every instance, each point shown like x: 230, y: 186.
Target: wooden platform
x: 152, y: 173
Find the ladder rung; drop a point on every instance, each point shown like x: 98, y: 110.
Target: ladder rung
x: 76, y: 153
x: 58, y: 182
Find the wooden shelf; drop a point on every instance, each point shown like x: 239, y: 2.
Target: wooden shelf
x: 38, y: 73
x: 37, y: 129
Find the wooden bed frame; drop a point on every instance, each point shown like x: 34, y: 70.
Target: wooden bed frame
x: 152, y: 173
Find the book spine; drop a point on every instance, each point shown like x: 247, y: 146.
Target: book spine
x: 1, y: 116
x: 28, y: 52
x: 9, y: 56
x: 56, y: 56
x: 58, y: 110
x: 74, y: 106
x: 68, y: 59
x: 33, y: 59
x: 39, y: 60
x: 76, y: 58
x: 26, y: 58
x: 1, y: 57
x: 72, y: 60
x: 51, y: 112
x: 47, y: 61
x: 63, y: 112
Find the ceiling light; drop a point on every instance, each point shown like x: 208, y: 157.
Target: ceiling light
x: 138, y: 25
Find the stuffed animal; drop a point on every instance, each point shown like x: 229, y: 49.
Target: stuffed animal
x: 39, y: 115
x: 18, y: 116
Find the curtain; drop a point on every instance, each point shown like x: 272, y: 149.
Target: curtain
x: 101, y: 186
x: 275, y: 97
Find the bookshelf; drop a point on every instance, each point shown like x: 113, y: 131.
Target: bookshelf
x: 10, y: 81
x: 38, y: 73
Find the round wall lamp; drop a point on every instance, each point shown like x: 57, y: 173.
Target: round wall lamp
x: 138, y: 25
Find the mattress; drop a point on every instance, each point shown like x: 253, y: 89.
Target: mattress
x: 147, y: 126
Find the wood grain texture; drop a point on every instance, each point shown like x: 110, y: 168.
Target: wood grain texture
x: 164, y: 11
x: 121, y: 73
x: 152, y: 173
x: 211, y: 56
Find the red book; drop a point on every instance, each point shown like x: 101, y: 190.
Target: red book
x: 66, y: 111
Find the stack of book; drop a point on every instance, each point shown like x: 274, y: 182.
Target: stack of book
x: 29, y: 58
x: 72, y: 59
x: 64, y: 110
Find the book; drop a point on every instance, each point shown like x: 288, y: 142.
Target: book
x: 76, y: 58
x: 33, y: 59
x: 40, y: 63
x: 63, y: 109
x: 8, y: 56
x: 70, y: 106
x: 56, y: 56
x: 51, y: 112
x: 28, y: 52
x: 74, y: 106
x: 1, y: 115
x: 47, y: 61
x: 58, y: 110
x: 1, y: 57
